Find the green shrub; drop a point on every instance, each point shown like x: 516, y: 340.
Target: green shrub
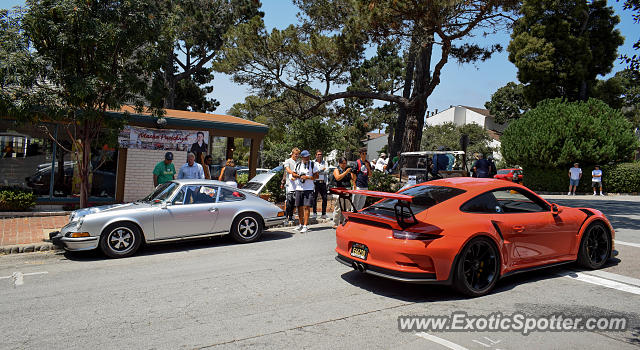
x: 622, y: 178
x: 617, y: 178
x: 273, y: 186
x: 557, y: 133
x: 379, y: 181
x: 16, y: 199
x: 242, y: 179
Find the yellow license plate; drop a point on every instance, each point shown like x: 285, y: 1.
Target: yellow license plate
x: 359, y: 251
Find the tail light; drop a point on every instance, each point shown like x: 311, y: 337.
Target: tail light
x: 409, y: 235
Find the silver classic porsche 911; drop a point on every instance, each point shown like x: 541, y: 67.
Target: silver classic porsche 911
x: 175, y: 210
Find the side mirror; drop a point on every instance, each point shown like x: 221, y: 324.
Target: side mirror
x: 555, y: 209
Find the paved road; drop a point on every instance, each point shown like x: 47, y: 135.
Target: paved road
x: 287, y: 291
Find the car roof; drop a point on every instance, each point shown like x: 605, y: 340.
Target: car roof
x: 199, y: 182
x: 472, y: 184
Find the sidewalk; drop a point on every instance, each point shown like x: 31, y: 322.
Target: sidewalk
x: 590, y: 196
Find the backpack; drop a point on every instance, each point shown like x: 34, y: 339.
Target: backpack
x: 309, y: 167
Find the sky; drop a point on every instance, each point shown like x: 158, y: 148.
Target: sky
x: 468, y: 85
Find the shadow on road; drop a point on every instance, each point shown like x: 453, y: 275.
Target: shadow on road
x: 422, y: 293
x: 178, y: 246
x: 616, y: 211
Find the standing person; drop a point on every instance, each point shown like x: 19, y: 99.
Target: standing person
x: 320, y: 185
x: 575, y: 174
x: 451, y: 159
x: 306, y: 173
x: 290, y: 184
x: 208, y: 162
x: 229, y: 174
x: 191, y: 169
x: 344, y: 179
x: 596, y: 179
x: 362, y: 171
x: 164, y: 171
x: 199, y: 146
x: 382, y: 162
x: 482, y: 167
x: 492, y: 166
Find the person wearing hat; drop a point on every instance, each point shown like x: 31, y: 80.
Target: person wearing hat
x: 164, y: 170
x: 306, y: 172
x: 381, y: 163
x: 596, y: 180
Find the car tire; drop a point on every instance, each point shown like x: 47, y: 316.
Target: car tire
x: 478, y: 267
x: 595, y: 246
x: 247, y: 228
x: 120, y: 240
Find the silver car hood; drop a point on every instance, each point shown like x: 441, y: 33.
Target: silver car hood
x: 257, y: 183
x: 107, y: 208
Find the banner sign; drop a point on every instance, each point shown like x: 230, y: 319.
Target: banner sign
x: 163, y: 139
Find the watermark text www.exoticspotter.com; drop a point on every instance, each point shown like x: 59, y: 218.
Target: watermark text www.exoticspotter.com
x: 516, y: 322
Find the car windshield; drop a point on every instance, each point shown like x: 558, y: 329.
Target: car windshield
x: 162, y: 192
x: 503, y: 171
x: 424, y: 197
x: 252, y: 186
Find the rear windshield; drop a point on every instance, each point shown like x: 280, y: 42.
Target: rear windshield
x: 424, y: 197
x: 502, y: 172
x: 252, y: 186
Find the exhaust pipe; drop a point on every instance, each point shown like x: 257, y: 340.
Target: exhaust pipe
x: 354, y: 265
x: 360, y: 267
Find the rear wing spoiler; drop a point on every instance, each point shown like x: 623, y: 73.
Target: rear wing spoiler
x: 402, y: 208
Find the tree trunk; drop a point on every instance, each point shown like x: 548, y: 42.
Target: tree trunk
x: 418, y: 106
x: 85, y: 187
x: 170, y: 81
x: 406, y: 93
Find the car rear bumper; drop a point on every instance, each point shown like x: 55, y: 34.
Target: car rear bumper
x: 73, y: 244
x: 411, y: 277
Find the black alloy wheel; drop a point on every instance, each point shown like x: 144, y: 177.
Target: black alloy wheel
x: 595, y: 247
x: 478, y: 267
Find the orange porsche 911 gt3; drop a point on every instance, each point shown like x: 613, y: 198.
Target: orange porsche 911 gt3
x: 468, y: 233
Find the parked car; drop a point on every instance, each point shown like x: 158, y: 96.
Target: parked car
x: 103, y: 182
x: 469, y: 233
x: 513, y: 175
x: 175, y: 210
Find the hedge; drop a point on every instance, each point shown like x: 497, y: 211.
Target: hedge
x: 16, y: 199
x: 617, y: 178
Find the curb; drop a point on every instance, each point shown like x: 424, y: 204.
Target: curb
x: 28, y: 248
x: 48, y: 246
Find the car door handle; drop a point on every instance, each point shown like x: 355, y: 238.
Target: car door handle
x: 518, y: 228
x: 213, y: 210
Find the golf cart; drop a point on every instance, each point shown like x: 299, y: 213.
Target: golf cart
x: 416, y: 167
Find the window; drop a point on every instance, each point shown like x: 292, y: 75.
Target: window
x: 179, y: 199
x: 197, y: 194
x: 424, y: 197
x: 227, y: 195
x: 485, y: 203
x: 513, y: 200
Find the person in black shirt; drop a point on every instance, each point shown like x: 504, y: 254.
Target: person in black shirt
x: 199, y: 146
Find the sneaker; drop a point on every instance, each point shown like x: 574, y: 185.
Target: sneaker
x: 601, y: 194
x: 299, y: 228
x: 568, y: 193
x: 304, y: 229
x: 324, y: 216
x: 313, y: 215
x: 594, y: 194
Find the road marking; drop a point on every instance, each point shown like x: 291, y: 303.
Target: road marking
x: 26, y: 274
x: 581, y: 276
x: 443, y: 342
x: 615, y: 277
x: 637, y: 245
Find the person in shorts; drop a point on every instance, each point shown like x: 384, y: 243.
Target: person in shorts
x: 290, y: 184
x: 575, y: 174
x: 596, y: 180
x: 361, y: 172
x: 305, y: 173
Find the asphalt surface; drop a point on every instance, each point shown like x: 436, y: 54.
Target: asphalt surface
x: 287, y: 291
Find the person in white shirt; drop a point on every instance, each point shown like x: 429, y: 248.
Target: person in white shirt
x: 320, y: 185
x: 290, y: 183
x: 305, y: 173
x: 596, y: 180
x: 575, y: 174
x: 381, y: 164
x: 191, y: 169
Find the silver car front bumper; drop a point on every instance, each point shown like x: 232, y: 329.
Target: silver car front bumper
x: 74, y: 244
x: 271, y: 222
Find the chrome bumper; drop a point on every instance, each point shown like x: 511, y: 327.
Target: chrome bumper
x: 270, y: 222
x: 73, y: 244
